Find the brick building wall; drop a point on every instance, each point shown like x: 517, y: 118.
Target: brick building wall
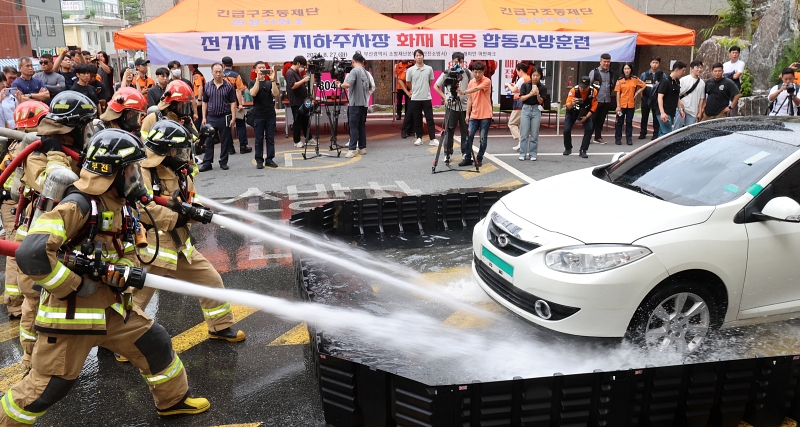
x: 13, y: 14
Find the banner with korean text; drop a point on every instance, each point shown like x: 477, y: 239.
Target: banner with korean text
x: 274, y: 46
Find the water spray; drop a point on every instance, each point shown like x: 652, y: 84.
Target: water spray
x: 299, y: 247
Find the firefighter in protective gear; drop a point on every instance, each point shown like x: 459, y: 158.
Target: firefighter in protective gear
x: 175, y: 104
x: 78, y: 313
x: 68, y: 123
x: 166, y: 172
x: 125, y: 110
x: 27, y: 116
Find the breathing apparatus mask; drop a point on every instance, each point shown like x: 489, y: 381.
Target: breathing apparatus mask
x: 129, y: 183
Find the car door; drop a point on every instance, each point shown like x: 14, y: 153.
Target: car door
x: 773, y: 261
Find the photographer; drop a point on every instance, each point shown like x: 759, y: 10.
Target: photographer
x: 359, y: 84
x: 581, y: 105
x: 298, y: 92
x: 264, y: 94
x: 780, y: 94
x: 457, y: 77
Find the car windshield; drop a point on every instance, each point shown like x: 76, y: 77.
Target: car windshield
x: 700, y: 166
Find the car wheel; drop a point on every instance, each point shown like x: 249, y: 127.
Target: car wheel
x: 678, y: 317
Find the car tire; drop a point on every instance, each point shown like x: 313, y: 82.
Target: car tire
x: 658, y: 326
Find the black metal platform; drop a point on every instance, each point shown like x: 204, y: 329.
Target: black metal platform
x: 759, y: 391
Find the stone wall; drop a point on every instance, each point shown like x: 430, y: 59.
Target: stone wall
x: 775, y: 29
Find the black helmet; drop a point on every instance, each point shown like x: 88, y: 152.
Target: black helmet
x: 72, y: 109
x: 166, y: 135
x: 111, y: 150
x: 207, y: 130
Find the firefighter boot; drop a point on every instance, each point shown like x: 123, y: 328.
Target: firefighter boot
x: 227, y: 334
x: 187, y: 406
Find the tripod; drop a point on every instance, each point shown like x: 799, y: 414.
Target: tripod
x: 453, y: 105
x: 333, y: 117
x: 315, y: 112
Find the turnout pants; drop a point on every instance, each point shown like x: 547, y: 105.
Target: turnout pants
x: 218, y: 314
x: 30, y: 306
x: 58, y: 360
x: 12, y: 297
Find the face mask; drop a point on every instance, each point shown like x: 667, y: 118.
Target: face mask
x: 176, y: 73
x: 129, y: 184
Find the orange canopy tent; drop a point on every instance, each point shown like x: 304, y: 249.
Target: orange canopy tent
x: 598, y: 16
x: 249, y: 15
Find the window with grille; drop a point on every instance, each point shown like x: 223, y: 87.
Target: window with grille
x: 18, y: 4
x: 50, y: 23
x: 23, y: 35
x: 36, y: 29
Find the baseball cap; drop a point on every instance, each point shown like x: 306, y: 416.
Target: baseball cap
x: 142, y: 61
x: 584, y: 82
x: 227, y: 60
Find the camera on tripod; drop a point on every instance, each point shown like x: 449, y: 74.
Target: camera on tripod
x: 315, y: 65
x: 340, y: 67
x: 453, y: 78
x: 790, y: 89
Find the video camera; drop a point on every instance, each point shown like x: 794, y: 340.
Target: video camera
x: 315, y: 65
x: 340, y: 67
x: 453, y: 78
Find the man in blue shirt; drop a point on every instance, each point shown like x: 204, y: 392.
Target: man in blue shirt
x: 30, y: 88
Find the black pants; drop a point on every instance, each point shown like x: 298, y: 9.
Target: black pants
x: 645, y: 113
x: 627, y: 119
x: 241, y: 132
x: 588, y: 126
x: 455, y: 118
x: 416, y: 108
x: 357, y: 119
x: 225, y: 143
x: 300, y: 124
x: 401, y: 95
x: 408, y: 121
x: 265, y: 131
x: 599, y: 118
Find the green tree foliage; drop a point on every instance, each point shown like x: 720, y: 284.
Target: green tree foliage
x: 791, y: 54
x: 735, y: 17
x: 747, y: 83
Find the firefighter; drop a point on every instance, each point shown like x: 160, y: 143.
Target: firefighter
x: 165, y: 172
x: 175, y: 104
x: 125, y: 110
x: 69, y: 122
x: 26, y: 118
x: 86, y: 301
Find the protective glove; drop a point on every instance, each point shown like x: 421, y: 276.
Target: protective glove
x: 50, y: 144
x: 5, y: 195
x: 115, y: 280
x: 183, y: 219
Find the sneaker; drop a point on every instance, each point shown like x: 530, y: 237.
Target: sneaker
x: 533, y: 158
x: 120, y: 358
x: 259, y: 165
x: 515, y: 148
x: 351, y: 153
x: 231, y: 152
x: 584, y: 155
x: 227, y: 334
x: 478, y: 161
x: 465, y: 162
x: 270, y: 163
x: 205, y: 167
x: 245, y: 150
x: 418, y: 141
x: 188, y: 406
x: 618, y: 141
x: 643, y: 136
x: 312, y: 141
x: 630, y: 142
x: 567, y: 152
x: 403, y: 134
x: 599, y: 141
x: 434, y: 142
x: 522, y: 157
x: 362, y: 151
x: 447, y: 159
x: 299, y: 144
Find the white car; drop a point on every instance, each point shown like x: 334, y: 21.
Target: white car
x: 697, y: 230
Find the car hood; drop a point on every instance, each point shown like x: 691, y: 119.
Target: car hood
x: 592, y: 210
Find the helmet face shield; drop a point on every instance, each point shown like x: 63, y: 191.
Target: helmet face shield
x: 182, y: 109
x: 182, y: 155
x: 130, y: 120
x: 132, y: 186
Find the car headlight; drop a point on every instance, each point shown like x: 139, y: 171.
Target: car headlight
x: 594, y: 258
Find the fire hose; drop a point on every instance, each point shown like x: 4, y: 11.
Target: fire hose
x: 33, y: 146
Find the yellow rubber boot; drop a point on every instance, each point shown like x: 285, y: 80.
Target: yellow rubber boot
x: 188, y: 406
x: 227, y: 334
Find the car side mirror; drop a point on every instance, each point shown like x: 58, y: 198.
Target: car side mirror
x: 780, y: 209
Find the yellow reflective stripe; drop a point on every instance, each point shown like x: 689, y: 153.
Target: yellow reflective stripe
x: 211, y: 313
x: 126, y: 262
x: 195, y: 170
x: 50, y: 226
x: 163, y: 254
x: 27, y: 335
x: 171, y: 372
x: 118, y: 308
x: 10, y: 180
x: 16, y: 413
x: 128, y: 247
x: 187, y: 251
x: 55, y: 278
x: 12, y: 289
x: 22, y: 230
x: 83, y: 316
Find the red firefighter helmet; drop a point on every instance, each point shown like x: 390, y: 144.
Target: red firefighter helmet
x: 128, y: 98
x: 29, y: 113
x: 177, y: 91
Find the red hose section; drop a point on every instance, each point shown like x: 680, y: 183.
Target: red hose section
x: 161, y: 200
x: 72, y: 153
x: 8, y: 248
x: 33, y: 146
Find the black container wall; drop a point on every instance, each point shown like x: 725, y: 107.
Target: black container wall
x: 760, y: 391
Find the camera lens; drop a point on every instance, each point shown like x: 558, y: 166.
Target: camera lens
x: 790, y: 89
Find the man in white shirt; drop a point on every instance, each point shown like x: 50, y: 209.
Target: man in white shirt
x: 9, y: 99
x: 693, y: 89
x: 421, y: 78
x: 784, y: 96
x: 733, y: 70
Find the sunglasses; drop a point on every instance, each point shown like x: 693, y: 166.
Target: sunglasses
x: 44, y: 62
